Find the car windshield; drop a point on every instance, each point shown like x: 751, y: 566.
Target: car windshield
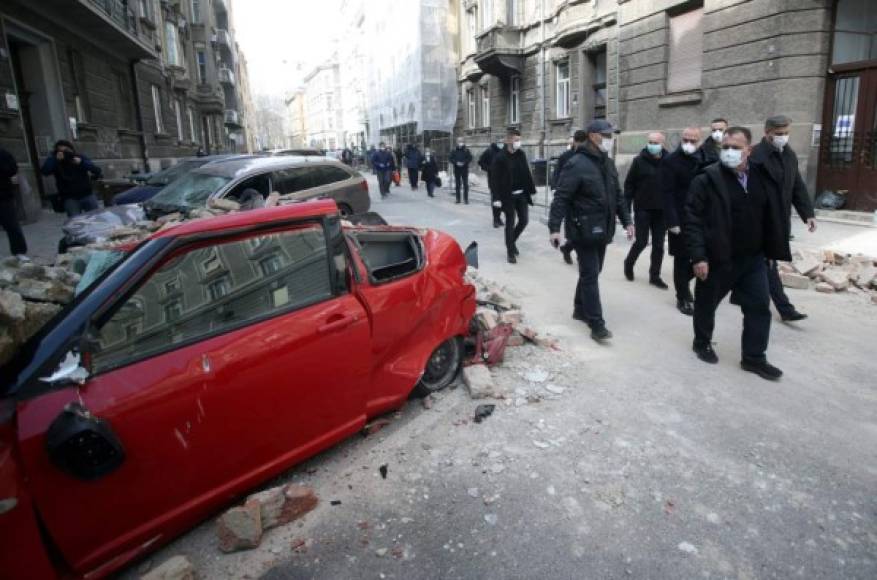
x: 190, y: 190
x: 165, y: 176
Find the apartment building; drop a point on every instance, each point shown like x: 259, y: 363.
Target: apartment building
x: 296, y: 120
x: 322, y: 106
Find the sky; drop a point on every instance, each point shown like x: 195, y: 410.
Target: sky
x: 283, y: 40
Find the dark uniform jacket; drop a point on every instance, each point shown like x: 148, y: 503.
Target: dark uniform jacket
x: 73, y: 181
x: 641, y: 185
x: 429, y: 168
x: 460, y: 155
x: 413, y: 157
x: 710, y: 150
x: 508, y: 172
x: 588, y: 184
x: 383, y: 160
x: 783, y: 170
x: 675, y: 173
x: 708, y: 227
x: 561, y: 161
x: 486, y: 157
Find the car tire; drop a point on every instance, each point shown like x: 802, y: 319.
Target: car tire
x: 441, y: 367
x: 345, y: 210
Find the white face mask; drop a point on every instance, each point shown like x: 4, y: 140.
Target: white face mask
x: 689, y: 148
x: 780, y: 141
x: 516, y: 145
x: 500, y: 143
x: 459, y: 143
x: 731, y: 157
x: 606, y: 145
x: 717, y: 135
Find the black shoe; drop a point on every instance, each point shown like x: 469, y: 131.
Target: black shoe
x: 762, y: 368
x: 567, y: 254
x: 512, y: 258
x: 628, y: 270
x: 685, y: 307
x: 516, y: 250
x: 794, y: 316
x: 497, y: 224
x: 706, y: 353
x: 658, y: 283
x: 457, y: 202
x: 600, y: 333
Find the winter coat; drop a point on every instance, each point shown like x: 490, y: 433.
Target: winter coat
x: 783, y: 170
x: 675, y: 174
x: 709, y: 151
x: 642, y: 185
x: 460, y: 158
x: 708, y: 226
x: 8, y: 168
x: 413, y: 157
x: 561, y: 161
x: 383, y: 160
x: 73, y: 181
x: 486, y: 157
x: 588, y: 185
x: 429, y: 169
x: 508, y: 170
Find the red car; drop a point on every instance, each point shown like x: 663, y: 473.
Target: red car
x: 212, y: 357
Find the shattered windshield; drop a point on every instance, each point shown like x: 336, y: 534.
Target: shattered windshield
x: 190, y: 190
x: 168, y: 175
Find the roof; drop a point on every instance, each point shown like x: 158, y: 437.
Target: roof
x: 233, y: 168
x: 293, y: 211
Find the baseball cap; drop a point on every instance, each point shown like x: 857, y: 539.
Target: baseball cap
x: 601, y: 126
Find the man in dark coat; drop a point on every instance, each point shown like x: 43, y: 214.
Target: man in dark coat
x: 73, y: 173
x: 733, y: 221
x: 384, y: 165
x: 712, y: 145
x: 642, y: 189
x: 8, y: 209
x: 588, y: 198
x: 484, y: 161
x: 567, y: 247
x: 460, y: 158
x: 675, y: 174
x: 775, y: 154
x: 413, y: 159
x: 429, y: 172
x: 512, y: 183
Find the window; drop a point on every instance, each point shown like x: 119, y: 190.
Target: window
x: 470, y: 99
x: 513, y: 12
x: 80, y: 91
x: 201, y: 56
x: 190, y: 113
x: 327, y: 174
x: 686, y: 51
x: 196, y: 11
x: 515, y: 100
x: 598, y: 62
x: 855, y: 31
x: 156, y: 108
x: 145, y: 9
x: 80, y: 109
x: 293, y: 180
x: 171, y: 45
x: 485, y: 106
x: 472, y: 21
x: 562, y: 92
x: 296, y: 274
x: 171, y: 286
x: 178, y: 111
x: 486, y: 14
x: 123, y: 98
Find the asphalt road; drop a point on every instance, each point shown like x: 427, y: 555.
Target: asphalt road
x: 649, y: 464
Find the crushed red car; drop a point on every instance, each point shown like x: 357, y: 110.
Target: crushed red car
x: 212, y: 357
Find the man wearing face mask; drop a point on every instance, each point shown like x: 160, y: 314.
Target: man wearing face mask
x: 642, y: 189
x: 588, y: 198
x: 484, y: 162
x: 460, y: 158
x: 384, y: 164
x: 712, y: 145
x: 512, y: 184
x: 733, y: 221
x: 675, y: 174
x: 429, y: 172
x: 781, y: 163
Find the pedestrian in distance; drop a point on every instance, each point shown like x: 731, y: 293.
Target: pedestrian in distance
x: 460, y: 159
x: 429, y: 172
x: 642, y: 190
x: 413, y: 159
x: 73, y: 174
x: 734, y: 220
x: 675, y: 174
x: 712, y: 145
x: 567, y: 247
x: 384, y: 165
x: 512, y: 183
x: 588, y: 199
x: 8, y: 208
x: 399, y: 160
x: 781, y: 162
x: 484, y: 162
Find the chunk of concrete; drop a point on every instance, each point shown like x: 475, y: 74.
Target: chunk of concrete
x: 224, y: 204
x: 824, y: 287
x: 176, y: 568
x: 795, y: 281
x: 805, y: 262
x: 479, y: 381
x: 12, y: 307
x: 283, y: 504
x: 866, y: 276
x: 837, y: 277
x: 240, y: 528
x: 513, y: 317
x: 487, y: 318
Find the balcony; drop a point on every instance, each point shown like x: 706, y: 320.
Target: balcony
x: 232, y: 118
x: 180, y: 78
x: 574, y: 23
x: 226, y: 76
x: 223, y: 40
x: 499, y: 52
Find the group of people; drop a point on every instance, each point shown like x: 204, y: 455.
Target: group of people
x: 724, y: 205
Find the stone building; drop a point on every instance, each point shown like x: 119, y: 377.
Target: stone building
x: 548, y: 66
x: 134, y: 84
x: 322, y: 106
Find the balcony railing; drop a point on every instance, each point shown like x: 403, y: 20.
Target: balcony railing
x: 119, y: 12
x: 226, y: 76
x: 223, y: 38
x: 232, y: 118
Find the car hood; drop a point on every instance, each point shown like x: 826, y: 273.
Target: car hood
x: 95, y: 226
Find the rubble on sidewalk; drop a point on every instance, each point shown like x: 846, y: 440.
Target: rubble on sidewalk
x: 240, y: 528
x: 831, y: 271
x: 176, y: 568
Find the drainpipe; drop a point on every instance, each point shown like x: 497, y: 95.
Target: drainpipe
x: 144, y: 150
x: 542, y: 81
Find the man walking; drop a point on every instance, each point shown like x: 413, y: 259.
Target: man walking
x: 384, y: 165
x: 429, y: 172
x: 712, y: 145
x: 413, y: 159
x: 733, y: 221
x: 484, y: 161
x: 512, y: 184
x: 642, y: 188
x: 589, y: 198
x: 460, y: 158
x: 573, y: 145
x: 675, y: 174
x: 775, y: 154
x: 8, y: 209
x: 73, y: 173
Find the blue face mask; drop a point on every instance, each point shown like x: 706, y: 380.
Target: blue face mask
x: 654, y: 148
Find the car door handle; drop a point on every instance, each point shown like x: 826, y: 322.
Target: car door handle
x: 337, y: 324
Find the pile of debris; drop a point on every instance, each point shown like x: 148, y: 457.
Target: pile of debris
x: 831, y: 271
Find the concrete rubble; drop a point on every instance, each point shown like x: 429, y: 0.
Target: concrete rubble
x: 175, y: 568
x: 830, y: 271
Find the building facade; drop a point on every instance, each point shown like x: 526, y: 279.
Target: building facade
x: 322, y: 104
x: 296, y: 117
x: 352, y: 74
x: 135, y: 85
x: 549, y: 66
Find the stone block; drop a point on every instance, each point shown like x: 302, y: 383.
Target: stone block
x: 283, y: 504
x: 866, y: 276
x: 37, y: 314
x: 240, y: 528
x: 479, y: 381
x: 12, y: 307
x: 51, y: 291
x: 786, y: 267
x: 224, y: 204
x: 487, y: 318
x: 795, y: 281
x: 176, y: 568
x: 805, y: 262
x: 513, y: 317
x: 824, y: 287
x: 837, y: 277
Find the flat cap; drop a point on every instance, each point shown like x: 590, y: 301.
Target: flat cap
x: 777, y: 121
x: 601, y: 126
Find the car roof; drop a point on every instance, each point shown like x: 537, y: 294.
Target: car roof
x: 234, y: 168
x: 303, y: 210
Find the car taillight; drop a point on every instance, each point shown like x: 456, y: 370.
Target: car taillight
x: 364, y: 185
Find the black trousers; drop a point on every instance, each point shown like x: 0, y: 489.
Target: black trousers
x: 747, y: 277
x: 461, y: 177
x: 515, y: 210
x: 645, y: 221
x: 587, y: 299
x: 385, y: 176
x: 682, y: 276
x: 777, y: 294
x: 412, y: 177
x: 9, y: 222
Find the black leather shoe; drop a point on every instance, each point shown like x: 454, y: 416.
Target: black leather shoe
x: 628, y: 270
x: 762, y: 368
x: 567, y: 254
x: 794, y: 316
x: 685, y: 307
x: 706, y: 353
x: 600, y: 333
x: 658, y: 283
x: 512, y: 259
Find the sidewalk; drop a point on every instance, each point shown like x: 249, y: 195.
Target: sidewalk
x: 42, y: 237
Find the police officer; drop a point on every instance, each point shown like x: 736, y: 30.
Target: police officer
x: 484, y: 161
x: 460, y: 158
x: 512, y: 183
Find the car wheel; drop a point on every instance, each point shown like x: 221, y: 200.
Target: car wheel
x: 345, y: 210
x: 441, y: 368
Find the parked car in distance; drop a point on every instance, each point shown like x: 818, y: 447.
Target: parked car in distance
x: 211, y: 358
x: 161, y: 179
x: 298, y: 178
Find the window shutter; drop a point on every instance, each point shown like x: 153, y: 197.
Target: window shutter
x: 686, y: 51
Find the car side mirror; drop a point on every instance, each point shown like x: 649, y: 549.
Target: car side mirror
x: 82, y: 445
